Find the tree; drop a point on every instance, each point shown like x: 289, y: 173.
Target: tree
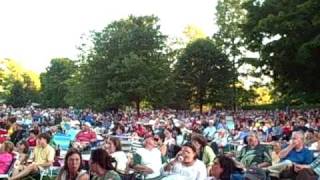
x: 287, y: 36
x: 22, y: 93
x: 14, y: 79
x: 246, y: 97
x: 17, y: 97
x: 204, y: 71
x: 127, y: 64
x: 54, y: 82
x: 230, y: 15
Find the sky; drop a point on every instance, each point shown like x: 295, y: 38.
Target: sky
x: 33, y: 32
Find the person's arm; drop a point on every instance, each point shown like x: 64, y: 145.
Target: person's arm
x: 142, y: 168
x: 93, y: 137
x: 298, y: 167
x: 264, y: 164
x: 284, y: 152
x: 137, y: 165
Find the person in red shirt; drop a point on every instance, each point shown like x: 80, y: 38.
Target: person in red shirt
x: 85, y: 137
x: 32, y: 139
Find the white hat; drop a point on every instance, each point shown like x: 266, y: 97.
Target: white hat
x: 87, y: 124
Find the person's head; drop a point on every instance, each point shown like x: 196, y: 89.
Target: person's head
x: 189, y: 153
x: 297, y: 139
x: 149, y: 142
x: 73, y: 161
x: 198, y: 141
x: 86, y: 126
x: 223, y: 167
x: 7, y: 146
x: 101, y: 161
x: 159, y: 138
x: 43, y: 139
x: 211, y: 122
x: 23, y: 147
x: 309, y: 134
x: 303, y: 121
x: 252, y: 140
x: 119, y: 129
x: 276, y: 147
x: 33, y: 133
x: 112, y: 145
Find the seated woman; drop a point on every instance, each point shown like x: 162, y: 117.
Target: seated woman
x: 32, y: 139
x: 72, y: 167
x: 204, y: 152
x: 6, y: 156
x: 23, y: 153
x: 224, y: 168
x: 101, y: 166
x: 113, y: 148
x: 185, y: 165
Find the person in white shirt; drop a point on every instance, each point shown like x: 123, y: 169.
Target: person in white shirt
x: 185, y: 166
x: 113, y: 147
x: 147, y: 160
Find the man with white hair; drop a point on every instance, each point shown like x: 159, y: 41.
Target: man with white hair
x: 294, y: 154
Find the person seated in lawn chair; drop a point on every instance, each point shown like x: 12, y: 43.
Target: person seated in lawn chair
x: 85, y: 137
x: 255, y: 154
x: 147, y: 160
x: 293, y: 156
x: 43, y: 157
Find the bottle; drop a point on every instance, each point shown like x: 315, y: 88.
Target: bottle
x: 58, y: 151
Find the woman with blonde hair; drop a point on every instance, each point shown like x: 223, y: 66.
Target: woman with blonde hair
x: 6, y: 156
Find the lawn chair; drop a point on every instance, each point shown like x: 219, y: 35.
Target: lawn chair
x: 10, y: 170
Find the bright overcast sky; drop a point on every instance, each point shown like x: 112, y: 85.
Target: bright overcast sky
x: 35, y: 31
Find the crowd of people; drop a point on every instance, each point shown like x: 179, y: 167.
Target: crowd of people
x: 160, y: 144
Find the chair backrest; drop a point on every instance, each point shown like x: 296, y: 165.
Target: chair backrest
x: 11, y: 167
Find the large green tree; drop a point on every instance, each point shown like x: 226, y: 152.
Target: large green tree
x: 287, y: 36
x: 230, y: 15
x: 54, y: 87
x: 15, y: 79
x: 22, y: 93
x: 205, y: 72
x: 127, y: 64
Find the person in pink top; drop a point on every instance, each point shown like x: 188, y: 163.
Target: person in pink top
x: 85, y: 137
x: 6, y: 156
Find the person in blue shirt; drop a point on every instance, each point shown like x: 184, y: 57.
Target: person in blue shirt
x: 294, y: 154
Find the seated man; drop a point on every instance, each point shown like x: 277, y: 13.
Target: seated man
x: 255, y: 154
x: 294, y: 154
x: 43, y: 158
x: 85, y: 137
x: 148, y: 159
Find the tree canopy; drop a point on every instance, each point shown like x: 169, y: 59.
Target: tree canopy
x: 287, y: 36
x: 54, y: 82
x: 205, y: 72
x: 127, y: 64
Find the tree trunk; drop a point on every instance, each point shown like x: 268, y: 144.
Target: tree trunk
x: 138, y: 107
x: 201, y: 107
